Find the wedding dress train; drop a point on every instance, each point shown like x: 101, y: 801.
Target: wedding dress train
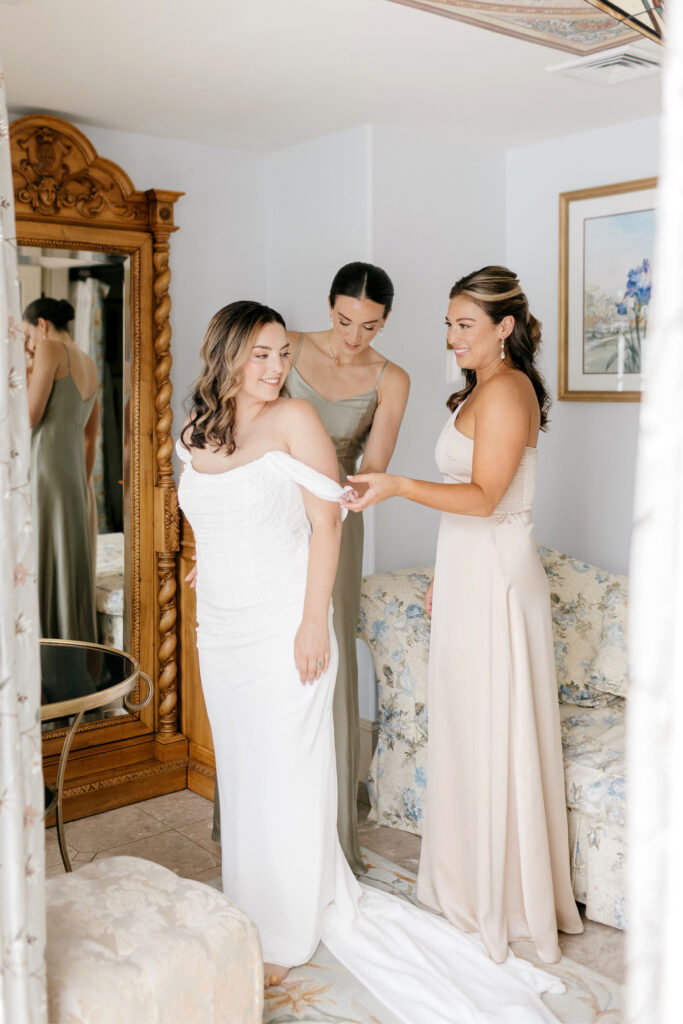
x: 274, y: 745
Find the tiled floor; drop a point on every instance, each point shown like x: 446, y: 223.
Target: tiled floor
x: 175, y: 831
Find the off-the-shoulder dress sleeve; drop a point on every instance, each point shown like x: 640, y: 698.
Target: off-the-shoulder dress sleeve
x: 317, y: 483
x: 182, y: 452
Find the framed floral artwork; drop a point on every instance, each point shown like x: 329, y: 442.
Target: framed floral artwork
x: 606, y: 251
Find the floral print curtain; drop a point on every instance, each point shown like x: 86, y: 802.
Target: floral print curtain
x: 22, y: 855
x: 655, y: 735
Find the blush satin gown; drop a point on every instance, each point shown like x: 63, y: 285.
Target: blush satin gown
x: 275, y: 761
x: 495, y: 851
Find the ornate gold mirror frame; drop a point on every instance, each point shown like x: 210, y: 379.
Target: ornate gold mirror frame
x: 68, y: 197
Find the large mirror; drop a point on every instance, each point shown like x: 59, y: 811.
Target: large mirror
x: 81, y: 531
x: 95, y: 286
x: 90, y: 242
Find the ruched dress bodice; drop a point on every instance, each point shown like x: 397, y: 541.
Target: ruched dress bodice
x: 252, y: 535
x: 347, y: 421
x: 453, y: 455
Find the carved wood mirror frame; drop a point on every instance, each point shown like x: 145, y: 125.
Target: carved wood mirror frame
x: 68, y: 197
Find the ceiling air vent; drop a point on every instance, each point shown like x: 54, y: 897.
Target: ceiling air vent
x: 611, y: 66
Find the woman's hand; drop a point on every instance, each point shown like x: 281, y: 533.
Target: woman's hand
x: 380, y: 486
x: 429, y: 597
x: 191, y: 577
x: 312, y: 650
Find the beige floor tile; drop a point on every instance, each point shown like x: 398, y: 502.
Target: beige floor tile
x: 600, y: 947
x: 77, y: 861
x: 177, y: 809
x: 210, y: 875
x: 172, y: 850
x: 200, y: 832
x: 111, y: 828
x: 52, y: 854
x: 400, y: 847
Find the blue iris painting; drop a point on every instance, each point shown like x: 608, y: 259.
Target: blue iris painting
x: 617, y: 291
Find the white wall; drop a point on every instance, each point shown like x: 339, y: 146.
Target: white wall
x: 584, y: 499
x: 438, y: 213
x: 317, y: 219
x: 218, y: 252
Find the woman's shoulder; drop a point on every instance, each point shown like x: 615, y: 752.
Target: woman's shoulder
x: 394, y: 380
x: 507, y: 394
x: 294, y: 410
x: 85, y: 356
x: 50, y: 350
x: 513, y: 384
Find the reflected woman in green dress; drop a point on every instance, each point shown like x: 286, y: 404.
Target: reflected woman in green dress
x: 360, y: 397
x: 63, y: 410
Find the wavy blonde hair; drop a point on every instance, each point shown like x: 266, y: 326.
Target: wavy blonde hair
x: 498, y: 293
x: 225, y: 350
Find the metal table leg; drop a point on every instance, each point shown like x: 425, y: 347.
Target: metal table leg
x: 57, y: 798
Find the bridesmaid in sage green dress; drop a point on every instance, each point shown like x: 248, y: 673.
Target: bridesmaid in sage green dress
x: 63, y: 410
x: 360, y: 397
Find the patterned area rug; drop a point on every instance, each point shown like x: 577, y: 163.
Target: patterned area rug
x: 323, y: 991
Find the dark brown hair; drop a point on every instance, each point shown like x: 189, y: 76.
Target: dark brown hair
x: 58, y: 312
x: 496, y: 290
x: 225, y: 349
x: 363, y: 281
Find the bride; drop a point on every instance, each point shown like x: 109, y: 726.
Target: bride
x: 260, y: 489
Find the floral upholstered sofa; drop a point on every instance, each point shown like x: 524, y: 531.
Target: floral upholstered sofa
x: 589, y: 609
x: 109, y: 587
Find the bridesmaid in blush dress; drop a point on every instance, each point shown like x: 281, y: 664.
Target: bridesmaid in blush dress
x: 495, y: 850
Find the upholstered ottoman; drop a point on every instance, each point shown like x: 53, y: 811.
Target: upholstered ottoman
x: 129, y: 942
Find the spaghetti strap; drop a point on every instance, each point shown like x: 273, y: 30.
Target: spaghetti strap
x: 298, y: 348
x: 381, y: 373
x: 68, y: 358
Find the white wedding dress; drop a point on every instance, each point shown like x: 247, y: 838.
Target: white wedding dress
x: 274, y: 745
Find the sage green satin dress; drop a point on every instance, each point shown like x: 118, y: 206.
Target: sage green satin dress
x: 348, y: 422
x: 59, y: 492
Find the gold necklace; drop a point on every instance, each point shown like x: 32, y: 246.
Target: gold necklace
x: 329, y: 349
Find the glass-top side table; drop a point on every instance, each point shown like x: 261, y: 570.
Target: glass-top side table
x: 77, y: 677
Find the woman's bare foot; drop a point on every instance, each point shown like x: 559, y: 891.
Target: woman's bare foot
x: 274, y: 974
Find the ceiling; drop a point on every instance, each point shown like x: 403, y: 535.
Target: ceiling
x: 262, y: 74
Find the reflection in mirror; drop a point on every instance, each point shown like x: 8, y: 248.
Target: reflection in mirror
x: 76, y: 322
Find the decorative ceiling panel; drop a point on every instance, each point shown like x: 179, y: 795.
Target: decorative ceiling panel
x: 570, y: 25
